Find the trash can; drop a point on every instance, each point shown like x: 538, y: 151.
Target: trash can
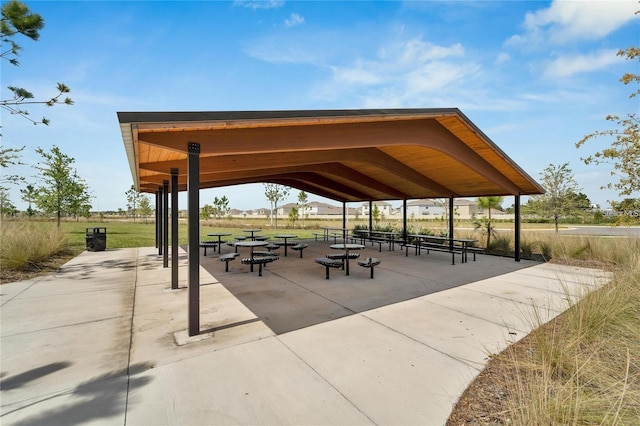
x: 96, y: 239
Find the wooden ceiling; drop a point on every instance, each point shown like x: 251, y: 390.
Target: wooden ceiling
x: 345, y: 155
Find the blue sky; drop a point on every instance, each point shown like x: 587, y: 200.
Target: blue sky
x: 535, y: 76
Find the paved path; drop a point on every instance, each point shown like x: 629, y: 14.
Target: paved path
x: 104, y: 342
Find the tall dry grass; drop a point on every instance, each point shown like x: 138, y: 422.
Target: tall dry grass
x: 584, y: 367
x: 23, y: 245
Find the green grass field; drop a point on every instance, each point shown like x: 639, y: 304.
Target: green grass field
x: 130, y: 234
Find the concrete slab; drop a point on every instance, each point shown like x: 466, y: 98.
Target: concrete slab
x: 65, y: 343
x: 293, y: 293
x: 466, y: 338
x: 390, y: 377
x: 261, y: 382
x: 105, y: 339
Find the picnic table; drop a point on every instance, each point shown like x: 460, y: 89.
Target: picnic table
x: 377, y: 236
x: 251, y: 245
x: 285, y: 237
x: 343, y: 231
x: 446, y: 244
x: 347, y: 247
x: 219, y: 235
x: 252, y: 231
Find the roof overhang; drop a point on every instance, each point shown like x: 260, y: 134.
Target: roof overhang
x: 345, y: 155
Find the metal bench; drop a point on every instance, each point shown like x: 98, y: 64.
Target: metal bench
x: 265, y: 253
x: 300, y: 247
x: 342, y: 256
x: 259, y: 260
x: 227, y: 257
x: 475, y: 250
x: 369, y: 262
x: 329, y: 263
x: 208, y: 244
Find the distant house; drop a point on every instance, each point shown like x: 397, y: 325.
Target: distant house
x: 261, y: 213
x: 426, y: 208
x: 384, y: 208
x: 464, y: 209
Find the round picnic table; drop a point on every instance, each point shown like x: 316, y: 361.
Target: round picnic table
x: 252, y: 231
x: 285, y: 237
x: 219, y: 235
x: 346, y: 248
x: 251, y: 245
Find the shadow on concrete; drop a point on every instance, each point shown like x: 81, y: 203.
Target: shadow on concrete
x: 99, y: 398
x: 293, y: 293
x: 87, y: 270
x: 19, y: 380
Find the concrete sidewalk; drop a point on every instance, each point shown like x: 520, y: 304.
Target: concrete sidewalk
x: 104, y: 342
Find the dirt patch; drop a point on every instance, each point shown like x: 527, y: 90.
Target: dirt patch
x: 49, y: 266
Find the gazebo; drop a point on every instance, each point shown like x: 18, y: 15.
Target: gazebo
x: 345, y: 155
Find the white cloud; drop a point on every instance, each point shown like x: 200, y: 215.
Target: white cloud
x: 355, y: 76
x: 294, y: 20
x: 406, y: 73
x: 502, y: 58
x: 259, y: 4
x: 566, y: 21
x: 567, y: 66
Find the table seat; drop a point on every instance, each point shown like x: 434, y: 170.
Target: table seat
x: 329, y: 263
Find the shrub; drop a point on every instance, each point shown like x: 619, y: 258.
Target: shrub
x: 500, y: 244
x: 24, y: 245
x: 526, y: 248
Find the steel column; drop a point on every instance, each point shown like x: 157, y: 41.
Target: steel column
x: 450, y: 223
x: 370, y: 215
x: 174, y: 229
x: 165, y: 223
x: 160, y: 222
x: 517, y: 227
x: 193, y: 203
x: 404, y: 221
x: 157, y: 206
x: 344, y: 221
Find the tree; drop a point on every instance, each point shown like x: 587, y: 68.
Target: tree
x: 206, y: 211
x: 488, y: 203
x: 80, y: 200
x: 144, y: 207
x: 6, y: 206
x: 303, y: 199
x: 561, y: 192
x: 275, y: 193
x: 18, y: 19
x: 624, y: 151
x: 9, y: 157
x: 375, y: 214
x: 628, y: 210
x: 63, y: 191
x: 133, y: 200
x: 29, y: 195
x: 220, y: 207
x: 294, y: 216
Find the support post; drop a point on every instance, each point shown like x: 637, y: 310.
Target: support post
x: 157, y: 211
x: 160, y: 222
x: 165, y: 223
x: 370, y: 215
x: 404, y: 222
x: 174, y: 229
x: 344, y: 222
x: 517, y: 229
x: 450, y: 223
x: 193, y: 203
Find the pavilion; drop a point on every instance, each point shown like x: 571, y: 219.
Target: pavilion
x: 345, y: 155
